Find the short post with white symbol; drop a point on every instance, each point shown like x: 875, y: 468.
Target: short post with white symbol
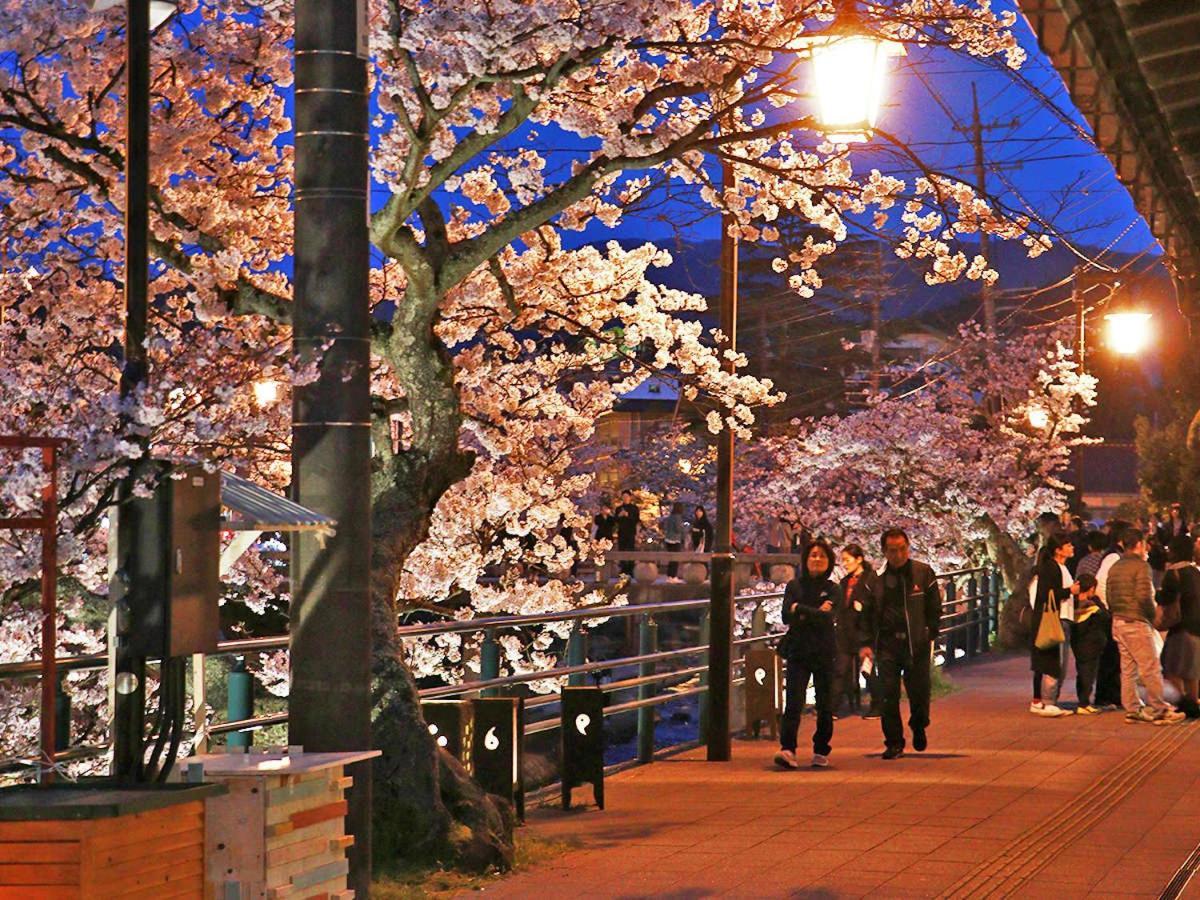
x: 582, y: 748
x: 761, y: 669
x: 496, y: 748
x: 449, y: 723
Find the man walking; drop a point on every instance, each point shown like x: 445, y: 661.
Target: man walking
x: 898, y: 626
x: 1131, y: 601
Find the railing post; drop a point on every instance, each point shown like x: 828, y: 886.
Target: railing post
x: 972, y: 616
x: 240, y: 703
x: 703, y: 733
x: 985, y: 617
x: 647, y: 643
x: 952, y: 632
x: 489, y: 661
x: 62, y: 714
x: 758, y: 622
x: 577, y: 654
x: 995, y: 603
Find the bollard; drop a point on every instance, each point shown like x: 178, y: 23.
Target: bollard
x: 703, y: 735
x: 647, y: 643
x: 239, y: 703
x: 577, y: 654
x: 953, y: 631
x: 497, y: 740
x: 489, y: 661
x: 62, y: 716
x: 972, y: 616
x: 581, y: 748
x: 449, y: 724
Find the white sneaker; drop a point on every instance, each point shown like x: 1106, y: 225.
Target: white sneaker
x: 786, y: 759
x: 820, y: 761
x: 1047, y: 710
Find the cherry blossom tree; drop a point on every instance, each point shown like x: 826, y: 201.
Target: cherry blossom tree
x: 504, y: 344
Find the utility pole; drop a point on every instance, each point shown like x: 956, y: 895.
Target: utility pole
x: 877, y: 319
x: 330, y: 703
x: 720, y: 621
x: 129, y: 681
x: 975, y: 132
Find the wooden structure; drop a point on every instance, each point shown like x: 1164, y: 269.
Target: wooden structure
x: 94, y: 843
x: 280, y: 830
x: 47, y: 524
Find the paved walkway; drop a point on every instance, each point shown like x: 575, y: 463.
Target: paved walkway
x: 1002, y: 804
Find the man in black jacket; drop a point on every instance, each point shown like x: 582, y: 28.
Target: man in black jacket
x: 897, y: 628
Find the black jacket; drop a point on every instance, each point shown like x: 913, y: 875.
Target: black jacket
x: 810, y: 634
x: 850, y: 610
x: 1183, y: 585
x: 922, y: 608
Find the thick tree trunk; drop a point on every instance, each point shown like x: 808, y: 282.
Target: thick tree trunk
x: 1014, y: 567
x: 427, y: 809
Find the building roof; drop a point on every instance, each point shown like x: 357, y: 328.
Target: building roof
x: 1132, y: 68
x: 254, y: 508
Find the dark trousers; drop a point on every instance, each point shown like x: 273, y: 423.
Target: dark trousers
x: 1108, y: 678
x: 672, y: 567
x: 799, y: 671
x: 845, y: 684
x: 626, y: 546
x: 894, y: 661
x: 1088, y: 640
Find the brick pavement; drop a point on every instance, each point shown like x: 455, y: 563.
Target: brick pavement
x: 1002, y: 804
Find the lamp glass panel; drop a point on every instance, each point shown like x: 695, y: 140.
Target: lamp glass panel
x: 1128, y: 332
x: 849, y: 74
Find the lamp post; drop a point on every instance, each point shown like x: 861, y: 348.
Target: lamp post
x: 849, y: 65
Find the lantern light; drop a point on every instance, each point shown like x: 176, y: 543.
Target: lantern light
x: 266, y: 391
x: 849, y: 69
x: 1038, y: 417
x: 1127, y: 324
x: 160, y: 10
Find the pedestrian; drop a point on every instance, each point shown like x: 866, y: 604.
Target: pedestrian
x: 809, y: 649
x: 605, y: 521
x: 801, y: 537
x: 1089, y: 635
x: 1052, y: 593
x: 857, y: 586
x: 1108, y: 678
x: 898, y: 626
x: 1089, y: 562
x: 702, y: 531
x: 674, y: 527
x: 779, y: 535
x: 1175, y: 525
x: 1181, y: 651
x: 1130, y: 598
x: 629, y: 517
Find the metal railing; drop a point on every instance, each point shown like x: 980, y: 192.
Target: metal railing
x: 970, y: 617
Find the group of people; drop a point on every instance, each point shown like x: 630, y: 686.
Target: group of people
x: 1095, y: 596
x: 620, y: 523
x: 880, y: 623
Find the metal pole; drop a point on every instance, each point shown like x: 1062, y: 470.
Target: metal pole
x: 577, y: 654
x: 1080, y: 321
x: 129, y: 669
x: 330, y: 703
x: 50, y: 683
x: 647, y: 643
x: 720, y: 650
x: 985, y: 289
x: 489, y: 661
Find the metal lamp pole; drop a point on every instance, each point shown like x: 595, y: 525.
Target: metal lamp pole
x: 720, y: 642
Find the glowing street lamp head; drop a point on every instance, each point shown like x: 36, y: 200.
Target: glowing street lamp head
x: 1038, y: 417
x: 266, y: 391
x: 849, y: 70
x: 1128, y: 332
x: 160, y: 10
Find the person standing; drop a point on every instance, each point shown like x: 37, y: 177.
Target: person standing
x: 898, y: 626
x: 605, y: 522
x: 1181, y: 652
x: 857, y: 586
x: 702, y: 532
x: 779, y: 535
x: 1089, y: 635
x: 1108, y: 678
x: 674, y: 527
x: 629, y: 517
x: 1053, y: 593
x: 809, y: 648
x: 1175, y: 525
x: 1131, y: 601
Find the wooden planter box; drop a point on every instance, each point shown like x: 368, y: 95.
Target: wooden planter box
x: 86, y: 841
x: 280, y: 830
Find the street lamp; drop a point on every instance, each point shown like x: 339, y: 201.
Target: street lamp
x: 849, y: 67
x: 849, y: 64
x: 160, y: 10
x: 1127, y: 325
x: 266, y: 392
x: 1038, y: 417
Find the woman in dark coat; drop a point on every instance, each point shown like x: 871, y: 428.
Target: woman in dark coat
x: 1181, y: 652
x: 809, y: 648
x: 1054, y: 588
x: 702, y: 532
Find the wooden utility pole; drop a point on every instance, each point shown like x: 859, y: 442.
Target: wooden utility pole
x: 329, y: 706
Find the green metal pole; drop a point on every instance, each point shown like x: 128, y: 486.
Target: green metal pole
x: 647, y: 643
x: 489, y: 662
x: 704, y: 704
x: 239, y: 703
x: 577, y: 654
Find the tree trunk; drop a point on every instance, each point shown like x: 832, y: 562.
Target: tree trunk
x: 427, y: 809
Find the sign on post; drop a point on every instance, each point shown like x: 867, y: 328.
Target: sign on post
x: 449, y: 723
x: 496, y: 748
x: 762, y: 687
x: 582, y: 747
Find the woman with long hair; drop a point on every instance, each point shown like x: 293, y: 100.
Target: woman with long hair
x: 1053, y: 595
x: 809, y: 649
